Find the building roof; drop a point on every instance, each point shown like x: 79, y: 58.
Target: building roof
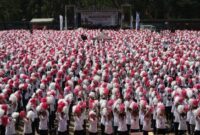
x: 41, y: 20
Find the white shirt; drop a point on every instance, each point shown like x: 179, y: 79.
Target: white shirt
x: 146, y: 124
x: 135, y: 122
x: 43, y: 123
x: 141, y: 117
x: 176, y: 115
x: 182, y: 123
x: 169, y: 103
x: 116, y: 119
x: 128, y: 118
x: 189, y: 113
x: 197, y: 124
x: 62, y: 123
x: 78, y: 123
x: 160, y: 122
x: 27, y: 126
x: 10, y: 127
x: 108, y: 127
x: 122, y: 125
x: 192, y: 119
x: 93, y: 125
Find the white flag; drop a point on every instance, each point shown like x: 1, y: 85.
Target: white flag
x: 61, y: 22
x: 137, y: 22
x: 131, y: 22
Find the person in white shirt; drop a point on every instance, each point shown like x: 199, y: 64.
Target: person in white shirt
x: 147, y: 123
x: 78, y: 123
x: 141, y: 117
x: 122, y: 127
x: 197, y: 125
x: 93, y: 121
x: 135, y: 121
x: 115, y: 119
x: 161, y: 121
x: 62, y: 123
x: 169, y: 103
x: 109, y: 124
x: 176, y: 122
x: 27, y: 126
x: 43, y: 123
x: 182, y: 118
x: 10, y: 127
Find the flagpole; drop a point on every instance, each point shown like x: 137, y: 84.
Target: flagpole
x: 65, y: 17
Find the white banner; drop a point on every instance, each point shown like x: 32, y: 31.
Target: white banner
x: 99, y: 18
x: 61, y: 22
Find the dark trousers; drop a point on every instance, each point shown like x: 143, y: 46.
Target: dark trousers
x: 176, y: 128
x: 43, y: 132
x: 115, y: 130
x: 93, y: 133
x: 145, y: 132
x: 80, y: 132
x: 128, y: 127
x: 192, y: 129
x: 102, y: 129
x: 29, y: 134
x: 188, y: 128
x: 62, y: 133
x: 135, y: 130
x: 161, y: 131
x: 2, y: 130
x: 196, y: 132
x: 154, y: 126
x: 122, y: 133
x: 181, y: 132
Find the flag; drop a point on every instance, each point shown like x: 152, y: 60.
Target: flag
x: 131, y: 22
x: 61, y: 22
x: 137, y: 22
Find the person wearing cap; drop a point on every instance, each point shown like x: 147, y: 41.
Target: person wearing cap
x: 78, y: 121
x: 93, y: 121
x: 122, y: 127
x: 197, y: 122
x: 27, y: 126
x: 147, y: 121
x: 109, y: 124
x: 62, y: 123
x: 43, y: 123
x: 160, y: 120
x: 182, y: 118
x: 10, y: 126
x: 135, y: 127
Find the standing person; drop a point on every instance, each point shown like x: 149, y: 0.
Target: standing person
x: 62, y: 123
x: 28, y: 124
x: 182, y: 118
x: 122, y: 127
x: 10, y: 126
x: 175, y: 114
x: 197, y: 122
x: 135, y: 127
x: 78, y: 121
x: 147, y: 120
x: 109, y: 124
x: 93, y: 121
x: 43, y: 123
x: 193, y: 104
x: 160, y: 119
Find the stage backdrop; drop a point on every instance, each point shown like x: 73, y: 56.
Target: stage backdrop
x: 103, y: 18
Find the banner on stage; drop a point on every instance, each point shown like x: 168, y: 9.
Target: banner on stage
x: 99, y: 18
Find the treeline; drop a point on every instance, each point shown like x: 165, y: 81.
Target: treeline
x: 18, y: 10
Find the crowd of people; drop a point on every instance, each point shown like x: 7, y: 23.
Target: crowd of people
x: 139, y: 81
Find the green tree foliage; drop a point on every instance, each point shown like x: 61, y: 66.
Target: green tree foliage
x: 17, y: 10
